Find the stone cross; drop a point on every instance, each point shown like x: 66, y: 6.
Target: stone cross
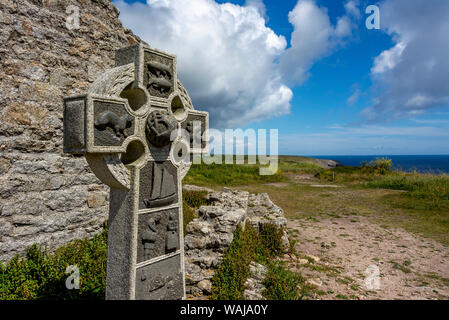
x: 128, y: 126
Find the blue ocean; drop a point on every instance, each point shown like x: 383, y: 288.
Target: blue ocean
x: 435, y: 164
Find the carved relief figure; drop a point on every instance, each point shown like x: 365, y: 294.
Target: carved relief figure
x: 149, y: 237
x: 112, y: 120
x: 172, y: 243
x: 159, y: 127
x: 158, y: 282
x: 159, y: 76
x: 163, y: 188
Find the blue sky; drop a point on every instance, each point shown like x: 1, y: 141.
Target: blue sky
x: 311, y: 69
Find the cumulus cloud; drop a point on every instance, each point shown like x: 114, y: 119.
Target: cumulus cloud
x: 231, y: 63
x: 352, y: 8
x: 313, y: 37
x: 412, y: 76
x: 259, y: 6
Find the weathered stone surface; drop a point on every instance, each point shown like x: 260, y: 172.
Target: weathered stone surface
x: 158, y: 185
x: 158, y: 234
x: 160, y: 281
x: 42, y: 61
x: 211, y: 234
x: 254, y: 284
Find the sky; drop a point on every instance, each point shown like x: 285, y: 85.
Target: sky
x: 311, y: 69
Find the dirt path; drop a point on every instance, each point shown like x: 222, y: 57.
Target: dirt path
x: 343, y: 257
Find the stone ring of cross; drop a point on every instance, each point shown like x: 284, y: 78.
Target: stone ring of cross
x: 128, y: 126
x: 129, y: 115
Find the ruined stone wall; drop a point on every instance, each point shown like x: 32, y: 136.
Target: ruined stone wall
x: 47, y: 197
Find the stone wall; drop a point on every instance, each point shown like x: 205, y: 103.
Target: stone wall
x: 45, y: 196
x: 211, y: 234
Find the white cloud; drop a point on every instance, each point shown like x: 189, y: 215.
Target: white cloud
x: 259, y: 6
x: 313, y: 37
x: 413, y: 76
x: 352, y: 8
x: 226, y: 55
x: 388, y: 59
x: 231, y: 63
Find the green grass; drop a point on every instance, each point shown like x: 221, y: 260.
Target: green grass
x: 228, y: 282
x: 228, y: 175
x: 298, y: 165
x: 424, y: 191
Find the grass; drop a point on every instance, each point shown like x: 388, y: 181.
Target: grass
x: 416, y: 202
x: 290, y: 164
x: 283, y: 284
x: 228, y: 175
x: 424, y: 191
x: 263, y: 247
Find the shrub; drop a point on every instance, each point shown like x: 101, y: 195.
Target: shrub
x: 270, y: 241
x: 41, y: 274
x: 194, y: 199
x: 281, y: 283
x: 247, y: 245
x: 366, y: 172
x: 382, y: 165
x: 229, y: 280
x: 191, y: 200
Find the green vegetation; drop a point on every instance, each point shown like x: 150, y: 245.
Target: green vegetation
x: 402, y: 267
x: 41, y: 275
x: 283, y: 284
x: 290, y: 164
x: 425, y: 191
x: 367, y: 172
x: 192, y: 200
x: 416, y: 202
x: 228, y: 282
x: 249, y: 245
x: 228, y: 175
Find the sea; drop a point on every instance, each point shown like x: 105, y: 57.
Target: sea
x: 435, y: 164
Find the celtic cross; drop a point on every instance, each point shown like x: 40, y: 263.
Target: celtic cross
x: 128, y: 127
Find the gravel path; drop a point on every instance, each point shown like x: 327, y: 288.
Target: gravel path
x: 352, y: 258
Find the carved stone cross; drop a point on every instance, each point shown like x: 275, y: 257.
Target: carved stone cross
x: 127, y: 128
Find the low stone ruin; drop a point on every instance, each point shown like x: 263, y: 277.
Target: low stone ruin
x: 209, y: 235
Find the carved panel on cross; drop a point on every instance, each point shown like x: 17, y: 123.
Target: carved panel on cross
x: 160, y: 281
x: 158, y: 234
x: 159, y: 74
x: 158, y: 185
